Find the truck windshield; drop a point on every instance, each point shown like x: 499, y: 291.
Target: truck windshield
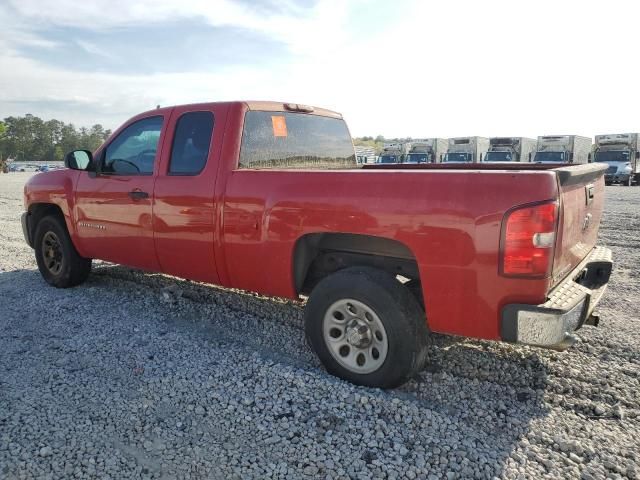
x: 554, y: 157
x: 295, y: 141
x: 457, y: 157
x: 613, y: 156
x: 498, y: 157
x: 417, y: 158
x: 389, y: 159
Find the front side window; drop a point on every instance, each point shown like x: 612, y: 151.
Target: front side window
x: 295, y: 141
x: 133, y: 151
x: 191, y: 143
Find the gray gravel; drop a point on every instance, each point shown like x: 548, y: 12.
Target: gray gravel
x: 146, y: 376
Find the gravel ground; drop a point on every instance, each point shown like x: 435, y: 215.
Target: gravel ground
x: 146, y: 376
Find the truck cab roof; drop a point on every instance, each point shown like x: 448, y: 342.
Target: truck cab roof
x: 261, y: 105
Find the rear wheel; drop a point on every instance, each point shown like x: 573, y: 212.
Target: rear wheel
x: 58, y: 261
x: 366, y: 327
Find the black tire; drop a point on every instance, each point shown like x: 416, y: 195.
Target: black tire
x: 58, y: 260
x: 394, y: 306
x: 415, y: 287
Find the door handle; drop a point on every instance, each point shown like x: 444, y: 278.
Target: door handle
x: 138, y: 195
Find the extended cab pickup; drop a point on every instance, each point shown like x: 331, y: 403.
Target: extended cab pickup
x: 267, y: 197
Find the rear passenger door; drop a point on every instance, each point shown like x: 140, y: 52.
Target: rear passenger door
x: 185, y: 210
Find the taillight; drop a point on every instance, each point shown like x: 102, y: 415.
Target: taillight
x: 529, y: 235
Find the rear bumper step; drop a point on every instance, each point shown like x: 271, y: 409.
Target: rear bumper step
x: 570, y: 306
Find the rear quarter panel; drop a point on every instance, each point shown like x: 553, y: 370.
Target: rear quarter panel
x: 450, y: 220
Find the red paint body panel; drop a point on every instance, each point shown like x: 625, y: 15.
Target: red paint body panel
x: 239, y: 228
x: 453, y: 236
x: 184, y: 208
x: 110, y: 224
x: 574, y: 240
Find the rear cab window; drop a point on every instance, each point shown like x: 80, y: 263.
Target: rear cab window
x: 286, y: 140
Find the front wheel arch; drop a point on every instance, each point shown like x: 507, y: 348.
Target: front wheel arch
x: 37, y: 211
x: 52, y: 240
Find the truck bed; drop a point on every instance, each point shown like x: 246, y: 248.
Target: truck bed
x: 449, y: 217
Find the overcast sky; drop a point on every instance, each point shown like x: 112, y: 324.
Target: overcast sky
x: 396, y: 68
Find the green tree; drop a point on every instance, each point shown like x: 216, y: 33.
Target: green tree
x: 31, y: 138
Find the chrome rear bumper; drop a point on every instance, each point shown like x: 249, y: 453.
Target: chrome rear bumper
x: 570, y: 306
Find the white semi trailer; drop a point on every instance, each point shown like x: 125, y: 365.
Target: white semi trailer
x: 428, y: 150
x: 622, y: 153
x: 466, y: 149
x: 510, y: 149
x: 562, y: 149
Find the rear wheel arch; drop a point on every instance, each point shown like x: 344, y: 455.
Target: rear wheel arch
x: 317, y: 255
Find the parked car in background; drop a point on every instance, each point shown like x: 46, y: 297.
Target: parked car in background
x: 428, y: 150
x: 267, y: 197
x: 621, y: 152
x: 393, y: 152
x: 510, y: 149
x: 562, y: 149
x: 466, y: 150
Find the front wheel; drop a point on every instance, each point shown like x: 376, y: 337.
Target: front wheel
x: 366, y: 327
x: 58, y: 261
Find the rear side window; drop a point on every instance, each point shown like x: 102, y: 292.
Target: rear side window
x: 295, y: 141
x: 191, y: 143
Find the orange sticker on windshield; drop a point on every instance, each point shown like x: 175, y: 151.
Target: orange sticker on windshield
x: 279, y: 126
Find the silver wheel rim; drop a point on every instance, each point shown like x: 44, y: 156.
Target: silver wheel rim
x: 355, y: 336
x: 52, y: 252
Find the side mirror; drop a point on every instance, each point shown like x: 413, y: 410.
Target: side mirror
x: 79, y: 160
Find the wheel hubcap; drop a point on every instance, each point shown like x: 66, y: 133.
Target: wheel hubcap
x: 52, y: 252
x: 355, y: 336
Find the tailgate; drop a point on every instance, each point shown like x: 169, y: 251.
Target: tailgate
x: 581, y: 202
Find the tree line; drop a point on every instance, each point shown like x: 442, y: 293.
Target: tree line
x: 31, y: 138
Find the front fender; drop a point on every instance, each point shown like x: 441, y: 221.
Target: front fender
x: 55, y: 188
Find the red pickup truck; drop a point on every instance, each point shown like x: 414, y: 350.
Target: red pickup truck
x: 267, y: 197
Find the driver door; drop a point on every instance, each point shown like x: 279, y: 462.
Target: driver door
x: 114, y: 206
